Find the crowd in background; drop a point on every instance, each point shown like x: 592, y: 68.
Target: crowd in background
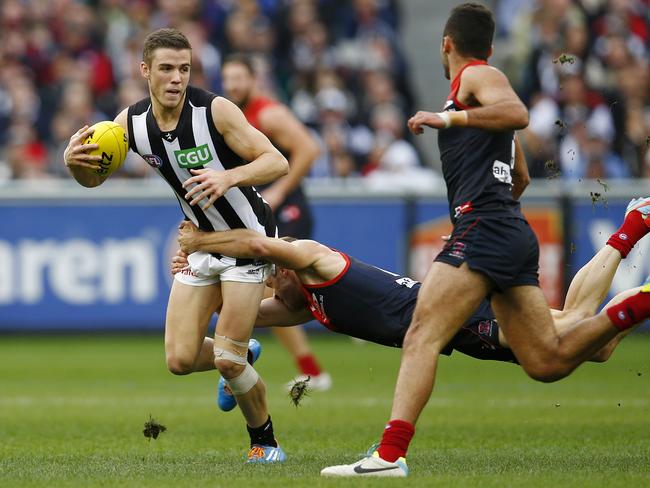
x: 338, y: 64
x: 582, y: 67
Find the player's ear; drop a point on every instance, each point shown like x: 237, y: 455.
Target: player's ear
x: 446, y: 44
x: 144, y: 70
x: 490, y: 51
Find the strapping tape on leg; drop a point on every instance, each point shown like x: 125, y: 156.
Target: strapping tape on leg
x: 230, y: 350
x: 244, y: 382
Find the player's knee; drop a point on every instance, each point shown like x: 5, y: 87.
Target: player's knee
x: 603, y: 355
x: 546, y: 370
x: 542, y: 374
x: 230, y: 356
x: 228, y: 369
x: 179, y: 365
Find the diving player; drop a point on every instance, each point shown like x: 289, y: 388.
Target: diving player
x: 360, y: 300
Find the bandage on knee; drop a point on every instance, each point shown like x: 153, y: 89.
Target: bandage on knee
x: 244, y: 382
x: 230, y: 350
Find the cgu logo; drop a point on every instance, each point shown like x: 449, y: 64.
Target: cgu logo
x: 193, y: 157
x: 78, y: 271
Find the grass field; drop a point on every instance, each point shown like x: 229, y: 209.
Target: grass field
x: 72, y: 411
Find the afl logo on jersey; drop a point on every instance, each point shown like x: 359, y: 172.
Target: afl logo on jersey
x: 153, y: 160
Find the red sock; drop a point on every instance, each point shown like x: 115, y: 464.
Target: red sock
x: 630, y: 311
x: 396, y: 439
x: 633, y: 229
x: 308, y: 365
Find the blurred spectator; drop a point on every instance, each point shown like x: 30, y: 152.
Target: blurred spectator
x: 334, y: 111
x: 539, y: 38
x: 26, y: 156
x: 336, y: 160
x: 540, y: 137
x: 393, y: 162
x: 592, y: 157
x: 379, y: 89
x: 390, y: 152
x: 76, y: 109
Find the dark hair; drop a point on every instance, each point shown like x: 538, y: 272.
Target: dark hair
x: 164, y: 38
x: 240, y: 58
x: 471, y: 27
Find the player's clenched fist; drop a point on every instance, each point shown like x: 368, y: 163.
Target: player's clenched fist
x: 421, y: 118
x: 187, y: 232
x: 436, y: 120
x: 75, y: 154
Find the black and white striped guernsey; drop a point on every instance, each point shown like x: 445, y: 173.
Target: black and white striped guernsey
x: 196, y: 143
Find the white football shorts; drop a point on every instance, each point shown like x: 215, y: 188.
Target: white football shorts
x: 205, y: 269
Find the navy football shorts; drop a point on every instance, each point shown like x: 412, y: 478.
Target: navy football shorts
x: 294, y: 219
x: 505, y: 249
x: 480, y: 339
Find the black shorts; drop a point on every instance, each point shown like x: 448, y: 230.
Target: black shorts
x: 293, y: 217
x: 480, y: 339
x: 294, y: 221
x: 505, y: 249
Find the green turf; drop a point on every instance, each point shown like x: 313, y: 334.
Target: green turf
x: 72, y: 411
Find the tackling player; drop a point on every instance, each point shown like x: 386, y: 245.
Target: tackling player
x: 360, y: 300
x: 205, y: 150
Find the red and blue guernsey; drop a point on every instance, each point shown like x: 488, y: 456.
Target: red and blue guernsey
x: 376, y: 305
x: 366, y: 302
x: 476, y: 165
x: 252, y: 112
x: 293, y: 216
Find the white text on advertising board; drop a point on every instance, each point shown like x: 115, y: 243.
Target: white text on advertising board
x: 78, y: 271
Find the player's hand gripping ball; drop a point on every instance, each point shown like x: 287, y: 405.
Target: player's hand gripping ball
x: 113, y: 146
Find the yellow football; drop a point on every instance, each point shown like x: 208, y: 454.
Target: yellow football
x: 113, y: 146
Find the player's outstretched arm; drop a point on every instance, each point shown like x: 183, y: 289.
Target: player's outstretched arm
x: 266, y: 163
x: 246, y: 243
x: 293, y: 138
x: 274, y: 312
